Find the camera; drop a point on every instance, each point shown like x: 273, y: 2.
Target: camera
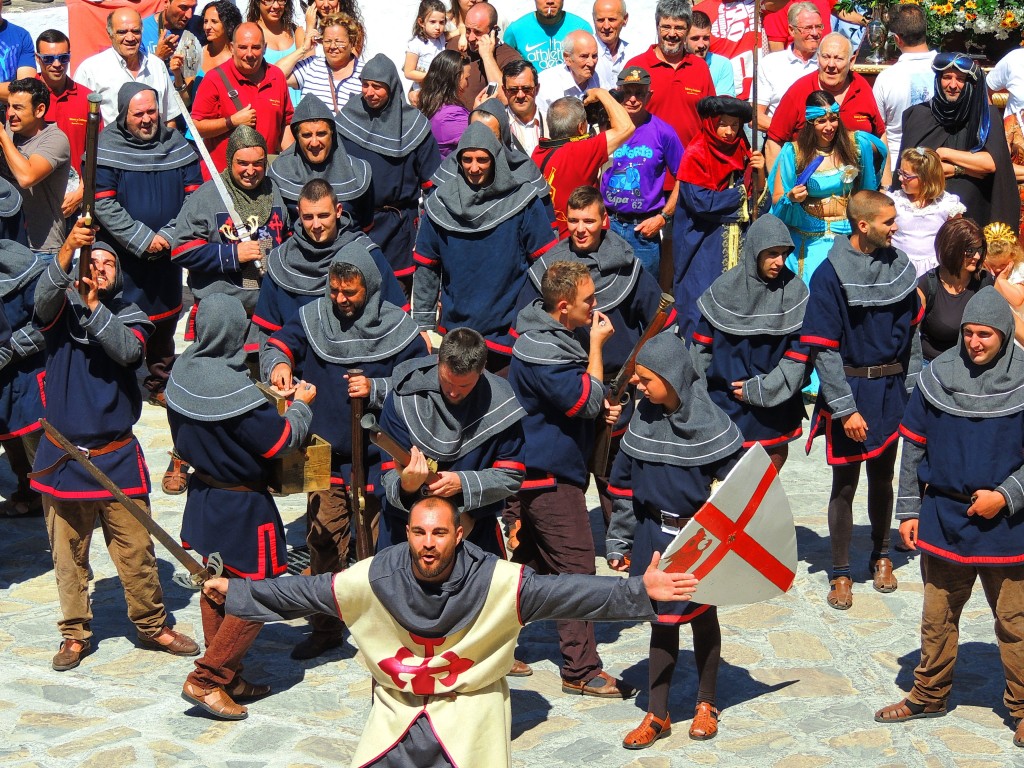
x: 597, y: 115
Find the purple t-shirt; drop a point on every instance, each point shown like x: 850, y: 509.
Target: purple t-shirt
x: 448, y: 124
x: 635, y: 179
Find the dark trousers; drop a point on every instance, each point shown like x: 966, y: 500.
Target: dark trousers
x: 21, y: 453
x: 555, y: 538
x: 160, y: 354
x: 227, y: 640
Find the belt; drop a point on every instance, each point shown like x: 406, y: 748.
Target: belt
x: 664, y: 518
x: 631, y: 218
x: 221, y: 486
x: 961, y: 497
x: 89, y: 453
x: 817, y: 208
x: 873, y: 371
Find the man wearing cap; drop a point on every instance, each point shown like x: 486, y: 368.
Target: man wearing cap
x: 633, y: 184
x: 967, y: 132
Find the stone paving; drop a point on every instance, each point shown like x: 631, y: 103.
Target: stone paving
x: 798, y: 684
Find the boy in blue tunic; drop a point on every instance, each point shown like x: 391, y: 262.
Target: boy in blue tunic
x: 860, y: 323
x: 962, y: 437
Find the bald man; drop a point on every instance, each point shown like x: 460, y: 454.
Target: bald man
x: 613, y: 52
x: 260, y: 100
x: 575, y: 76
x: 484, y: 54
x: 126, y: 60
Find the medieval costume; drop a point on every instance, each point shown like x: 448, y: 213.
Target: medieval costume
x: 349, y: 177
x: 474, y: 247
x: 749, y: 331
x: 224, y: 427
x: 969, y: 124
x: 402, y: 154
x: 661, y: 477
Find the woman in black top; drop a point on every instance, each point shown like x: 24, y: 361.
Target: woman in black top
x: 946, y: 289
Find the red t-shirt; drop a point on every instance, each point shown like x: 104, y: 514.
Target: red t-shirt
x: 776, y: 23
x: 269, y: 98
x: 858, y: 112
x: 675, y: 91
x: 573, y: 164
x: 732, y: 36
x: 70, y: 111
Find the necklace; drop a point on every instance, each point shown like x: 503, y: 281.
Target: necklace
x: 824, y: 152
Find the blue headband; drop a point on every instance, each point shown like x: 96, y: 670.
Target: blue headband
x: 813, y: 113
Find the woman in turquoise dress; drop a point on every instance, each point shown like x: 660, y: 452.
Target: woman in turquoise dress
x: 814, y: 176
x: 283, y: 36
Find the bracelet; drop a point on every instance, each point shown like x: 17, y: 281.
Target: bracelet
x: 666, y: 216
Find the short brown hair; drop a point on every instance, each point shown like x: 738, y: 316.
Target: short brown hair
x: 865, y: 205
x: 927, y: 165
x: 584, y: 197
x: 955, y: 240
x: 561, y: 282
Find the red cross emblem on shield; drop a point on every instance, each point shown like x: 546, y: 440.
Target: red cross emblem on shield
x: 424, y: 676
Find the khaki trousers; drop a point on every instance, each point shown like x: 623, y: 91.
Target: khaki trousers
x: 947, y: 587
x: 69, y: 524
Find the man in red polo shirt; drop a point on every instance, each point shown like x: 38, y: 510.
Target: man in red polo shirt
x: 69, y: 103
x: 678, y: 79
x: 858, y: 110
x: 261, y: 96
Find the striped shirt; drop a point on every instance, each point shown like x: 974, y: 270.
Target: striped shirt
x: 314, y: 76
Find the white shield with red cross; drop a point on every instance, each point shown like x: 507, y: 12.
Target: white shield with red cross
x: 742, y: 543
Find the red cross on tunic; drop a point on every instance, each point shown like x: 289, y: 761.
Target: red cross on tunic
x: 424, y: 676
x: 276, y: 226
x: 732, y: 537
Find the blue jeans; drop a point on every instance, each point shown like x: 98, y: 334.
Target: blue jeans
x: 646, y: 249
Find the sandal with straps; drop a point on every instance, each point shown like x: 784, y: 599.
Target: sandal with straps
x: 905, y: 710
x: 241, y: 689
x: 650, y: 730
x: 705, y: 722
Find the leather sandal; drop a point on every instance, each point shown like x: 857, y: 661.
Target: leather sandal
x: 241, y: 689
x: 214, y: 700
x: 519, y: 669
x: 705, y: 722
x: 175, y: 480
x: 884, y: 580
x: 67, y: 657
x: 180, y: 645
x: 602, y: 685
x: 1018, y: 735
x: 650, y: 730
x: 840, y: 596
x: 905, y: 710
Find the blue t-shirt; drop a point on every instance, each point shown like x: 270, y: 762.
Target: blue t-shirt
x: 722, y: 74
x: 541, y: 45
x: 635, y: 179
x: 16, y: 50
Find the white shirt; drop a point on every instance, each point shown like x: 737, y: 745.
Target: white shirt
x: 908, y: 82
x: 527, y: 134
x: 776, y: 72
x: 608, y: 66
x: 1009, y: 74
x: 105, y: 72
x: 556, y: 82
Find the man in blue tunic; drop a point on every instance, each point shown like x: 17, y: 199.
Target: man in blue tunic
x: 962, y: 434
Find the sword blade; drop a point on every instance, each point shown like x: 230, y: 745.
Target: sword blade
x: 200, y: 573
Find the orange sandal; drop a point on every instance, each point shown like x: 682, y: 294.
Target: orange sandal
x: 649, y: 731
x: 705, y: 722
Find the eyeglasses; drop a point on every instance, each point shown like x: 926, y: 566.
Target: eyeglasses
x: 810, y: 28
x: 680, y: 28
x: 49, y: 59
x: 272, y: 3
x: 526, y: 90
x: 906, y: 176
x: 340, y: 45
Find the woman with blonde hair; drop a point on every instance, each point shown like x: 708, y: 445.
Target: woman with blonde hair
x: 333, y: 74
x: 1005, y: 262
x: 922, y: 206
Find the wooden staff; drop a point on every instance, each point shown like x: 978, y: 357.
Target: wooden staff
x: 92, y: 135
x: 357, y: 482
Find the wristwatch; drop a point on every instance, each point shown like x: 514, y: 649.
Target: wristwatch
x: 666, y: 216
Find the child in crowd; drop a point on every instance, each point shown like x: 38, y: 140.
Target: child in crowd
x: 922, y: 206
x: 1005, y: 261
x: 427, y: 40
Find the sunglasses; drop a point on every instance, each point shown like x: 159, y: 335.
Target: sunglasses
x: 526, y: 90
x: 49, y: 59
x: 906, y: 176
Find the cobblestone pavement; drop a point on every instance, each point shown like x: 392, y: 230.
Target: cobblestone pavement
x: 797, y: 688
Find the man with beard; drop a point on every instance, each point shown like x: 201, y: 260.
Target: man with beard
x: 317, y: 153
x: 575, y: 75
x: 467, y: 420
x: 297, y: 269
x: 560, y: 385
x: 206, y: 241
x: 483, y: 227
x: 144, y: 173
x: 860, y: 323
x: 94, y: 346
x: 678, y: 79
x: 441, y: 604
x: 352, y: 325
x: 395, y: 139
x: 967, y: 132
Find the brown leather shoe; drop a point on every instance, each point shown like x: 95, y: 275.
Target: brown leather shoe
x: 884, y: 579
x: 1018, y: 735
x: 649, y: 731
x: 519, y: 669
x: 905, y: 709
x: 180, y: 645
x: 705, y: 722
x: 158, y: 399
x: 840, y: 596
x: 601, y: 685
x: 214, y: 700
x: 71, y: 654
x: 241, y: 689
x: 175, y: 481
x: 316, y: 644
